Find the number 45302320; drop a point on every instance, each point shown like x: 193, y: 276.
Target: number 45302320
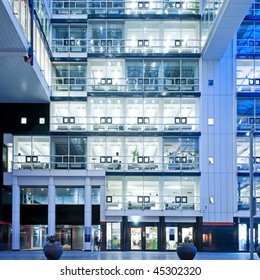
x: 177, y: 270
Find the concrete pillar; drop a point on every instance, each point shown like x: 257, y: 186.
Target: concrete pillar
x: 15, y: 215
x: 51, y: 207
x: 87, y: 216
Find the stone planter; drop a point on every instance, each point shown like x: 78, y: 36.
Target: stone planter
x: 53, y: 251
x: 186, y: 251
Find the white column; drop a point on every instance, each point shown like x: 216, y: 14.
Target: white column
x: 51, y: 207
x: 103, y: 202
x: 15, y: 215
x: 87, y: 216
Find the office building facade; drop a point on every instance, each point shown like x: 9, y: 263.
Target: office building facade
x: 144, y: 143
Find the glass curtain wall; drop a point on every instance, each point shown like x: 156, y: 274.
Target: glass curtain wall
x: 68, y: 152
x: 70, y: 195
x: 132, y: 153
x: 243, y: 193
x: 162, y: 37
x: 248, y: 38
x: 152, y: 193
x: 68, y: 115
x: 69, y: 38
x: 69, y: 79
x: 181, y: 154
x: 248, y: 75
x: 31, y: 152
x: 34, y: 195
x: 106, y: 36
x: 243, y: 154
x: 248, y: 113
x: 139, y: 114
x: 106, y: 75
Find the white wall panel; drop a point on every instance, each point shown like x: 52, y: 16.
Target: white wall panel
x: 218, y: 140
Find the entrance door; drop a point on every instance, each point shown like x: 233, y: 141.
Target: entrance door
x: 151, y: 242
x: 187, y: 234
x: 136, y: 238
x: 38, y: 237
x: 144, y: 238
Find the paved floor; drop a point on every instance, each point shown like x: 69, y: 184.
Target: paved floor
x: 81, y: 255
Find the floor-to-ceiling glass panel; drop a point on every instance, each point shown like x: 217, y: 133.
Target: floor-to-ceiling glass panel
x: 96, y: 237
x: 113, y: 236
x: 115, y: 114
x: 171, y: 238
x: 134, y: 73
x: 114, y: 193
x: 242, y: 237
x: 151, y: 238
x: 64, y: 235
x: 78, y: 153
x: 136, y: 238
x: 134, y: 193
x: 152, y: 199
x: 70, y: 195
x: 38, y: 237
x: 187, y: 234
x: 33, y: 237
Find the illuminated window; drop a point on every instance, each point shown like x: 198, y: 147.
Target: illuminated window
x: 210, y: 121
x: 41, y: 120
x: 23, y: 120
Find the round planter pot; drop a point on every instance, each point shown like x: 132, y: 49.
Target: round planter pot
x: 53, y: 251
x: 186, y: 251
x: 258, y: 251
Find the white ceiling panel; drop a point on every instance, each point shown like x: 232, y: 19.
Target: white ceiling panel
x: 19, y: 81
x: 224, y: 28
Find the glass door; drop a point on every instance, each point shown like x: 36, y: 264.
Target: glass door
x: 187, y: 234
x: 136, y: 238
x: 64, y: 235
x: 242, y: 237
x: 38, y: 237
x: 144, y: 238
x: 171, y: 238
x: 151, y: 242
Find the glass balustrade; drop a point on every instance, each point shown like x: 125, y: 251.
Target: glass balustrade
x: 69, y: 7
x: 78, y: 86
x: 123, y: 124
x: 121, y: 46
x: 153, y: 202
x: 114, y: 7
x: 124, y: 163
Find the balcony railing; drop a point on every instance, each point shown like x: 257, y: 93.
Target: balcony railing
x: 113, y: 7
x: 248, y: 84
x: 248, y: 123
x: 152, y: 202
x: 124, y: 46
x: 124, y: 124
x: 243, y: 163
x: 244, y: 203
x: 80, y: 86
x: 124, y: 163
